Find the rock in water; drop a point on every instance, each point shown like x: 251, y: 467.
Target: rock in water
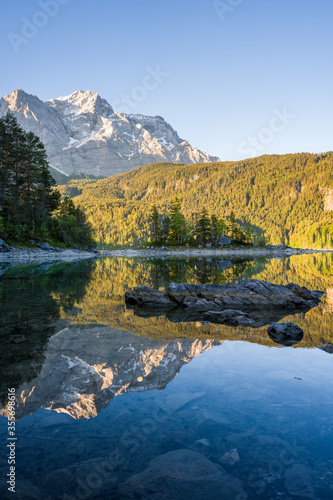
x: 230, y: 458
x: 246, y: 295
x: 250, y: 302
x: 286, y: 333
x: 183, y: 474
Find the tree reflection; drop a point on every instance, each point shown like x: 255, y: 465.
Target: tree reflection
x: 30, y: 302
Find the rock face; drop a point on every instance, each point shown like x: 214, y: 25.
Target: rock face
x: 85, y: 368
x: 285, y: 333
x: 180, y: 475
x: 249, y: 302
x: 83, y: 134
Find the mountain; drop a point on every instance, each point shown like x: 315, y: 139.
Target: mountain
x: 85, y: 137
x: 287, y: 199
x: 85, y: 367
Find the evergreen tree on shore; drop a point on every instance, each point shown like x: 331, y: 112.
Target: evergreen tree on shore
x: 28, y: 200
x: 174, y: 229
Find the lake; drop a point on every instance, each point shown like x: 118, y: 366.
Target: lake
x: 111, y: 404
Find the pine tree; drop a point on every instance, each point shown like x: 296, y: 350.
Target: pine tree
x: 166, y: 228
x: 154, y: 223
x: 214, y: 232
x: 203, y: 228
x: 177, y: 229
x: 232, y: 227
x: 27, y: 197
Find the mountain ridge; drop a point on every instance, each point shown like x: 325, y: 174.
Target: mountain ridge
x: 84, y: 136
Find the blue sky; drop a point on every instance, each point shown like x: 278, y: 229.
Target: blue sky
x: 237, y: 78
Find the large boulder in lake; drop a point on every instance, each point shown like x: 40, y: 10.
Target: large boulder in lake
x: 263, y: 302
x: 245, y: 295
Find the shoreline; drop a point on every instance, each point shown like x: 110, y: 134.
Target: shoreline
x: 205, y: 252
x: 35, y: 254
x: 38, y: 255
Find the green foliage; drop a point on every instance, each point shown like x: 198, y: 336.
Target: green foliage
x: 176, y: 230
x: 154, y: 221
x: 203, y: 229
x: 178, y: 227
x: 280, y: 198
x: 28, y: 200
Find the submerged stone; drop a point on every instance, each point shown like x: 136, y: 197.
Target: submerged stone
x: 183, y: 474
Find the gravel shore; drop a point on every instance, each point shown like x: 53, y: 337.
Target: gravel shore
x: 205, y: 252
x: 36, y: 254
x: 33, y: 254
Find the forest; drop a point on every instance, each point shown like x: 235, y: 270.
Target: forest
x: 282, y: 199
x: 200, y: 230
x: 31, y: 209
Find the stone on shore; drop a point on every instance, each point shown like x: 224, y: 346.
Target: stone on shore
x: 45, y: 246
x: 3, y: 246
x: 224, y: 241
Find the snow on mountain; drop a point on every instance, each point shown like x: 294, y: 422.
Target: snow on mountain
x: 83, y: 134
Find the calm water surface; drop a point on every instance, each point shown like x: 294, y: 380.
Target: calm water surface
x: 111, y: 404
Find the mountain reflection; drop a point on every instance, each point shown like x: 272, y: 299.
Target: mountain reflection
x: 30, y: 314
x: 69, y: 343
x: 85, y: 367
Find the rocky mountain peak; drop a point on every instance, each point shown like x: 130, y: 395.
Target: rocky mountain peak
x: 84, y: 135
x: 81, y: 102
x: 19, y: 101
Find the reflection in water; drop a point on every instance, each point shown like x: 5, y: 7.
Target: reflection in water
x: 30, y: 314
x: 104, y: 301
x: 239, y: 421
x: 263, y: 414
x: 85, y: 367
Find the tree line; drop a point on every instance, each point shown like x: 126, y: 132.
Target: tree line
x: 282, y: 199
x: 30, y: 206
x: 200, y: 229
